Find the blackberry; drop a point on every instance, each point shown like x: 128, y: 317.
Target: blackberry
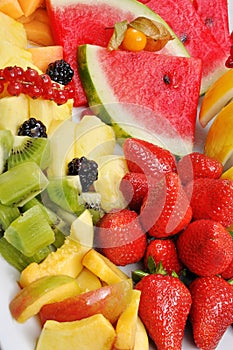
x: 33, y: 128
x: 60, y: 71
x: 86, y: 169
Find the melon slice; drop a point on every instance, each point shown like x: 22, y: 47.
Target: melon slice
x: 186, y: 23
x: 77, y: 22
x: 145, y: 95
x: 214, y: 15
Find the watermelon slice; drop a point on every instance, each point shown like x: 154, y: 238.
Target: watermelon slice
x: 76, y: 22
x: 197, y: 38
x: 214, y: 15
x: 145, y: 95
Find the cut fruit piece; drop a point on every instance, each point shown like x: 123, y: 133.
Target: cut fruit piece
x: 20, y: 184
x: 219, y: 140
x: 110, y: 301
x: 11, y: 8
x: 196, y: 37
x: 30, y: 232
x: 141, y: 337
x: 33, y: 149
x: 29, y: 6
x: 83, y: 14
x: 30, y: 299
x: 131, y: 112
x: 66, y: 260
x: 39, y: 33
x: 12, y: 31
x: 103, y: 267
x: 217, y: 96
x: 112, y: 169
x: 6, y: 143
x: 44, y: 55
x: 88, y: 281
x: 7, y: 215
x: 228, y: 174
x: 82, y: 229
x: 92, y: 333
x: 9, y: 50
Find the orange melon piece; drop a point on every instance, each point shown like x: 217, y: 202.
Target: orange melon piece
x: 42, y: 56
x: 11, y: 8
x: 39, y: 33
x: 29, y: 6
x: 39, y: 14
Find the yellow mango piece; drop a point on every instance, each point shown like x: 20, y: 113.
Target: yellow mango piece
x: 141, y: 337
x: 12, y: 31
x: 127, y: 324
x: 91, y: 333
x: 11, y: 8
x: 216, y: 97
x: 103, y: 267
x: 48, y: 289
x: 66, y: 260
x: 219, y: 140
x: 29, y: 6
x: 13, y: 112
x: 88, y: 281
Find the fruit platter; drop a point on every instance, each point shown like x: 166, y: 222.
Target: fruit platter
x: 116, y: 174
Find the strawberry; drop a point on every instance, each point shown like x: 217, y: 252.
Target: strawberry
x: 163, y: 251
x: 205, y: 247
x: 211, y: 199
x: 198, y: 165
x: 228, y: 272
x: 120, y: 237
x: 165, y: 209
x: 145, y: 157
x: 211, y: 311
x: 134, y: 188
x: 164, y: 307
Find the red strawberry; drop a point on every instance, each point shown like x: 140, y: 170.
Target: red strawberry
x: 163, y: 251
x: 120, y: 237
x: 134, y: 188
x: 145, y: 157
x: 228, y: 272
x: 165, y: 210
x: 212, y: 199
x: 211, y: 311
x: 205, y: 247
x: 198, y: 165
x: 164, y: 307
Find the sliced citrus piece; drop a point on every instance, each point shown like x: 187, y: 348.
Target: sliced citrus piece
x: 216, y: 97
x: 219, y: 140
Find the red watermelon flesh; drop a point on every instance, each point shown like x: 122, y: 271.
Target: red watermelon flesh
x: 76, y: 22
x: 182, y: 17
x: 158, y: 94
x: 214, y: 14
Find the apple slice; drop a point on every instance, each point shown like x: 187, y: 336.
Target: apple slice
x: 110, y: 301
x: 92, y: 333
x: 49, y: 289
x: 103, y: 267
x: 88, y: 281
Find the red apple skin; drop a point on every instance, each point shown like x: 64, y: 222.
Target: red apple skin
x: 109, y: 300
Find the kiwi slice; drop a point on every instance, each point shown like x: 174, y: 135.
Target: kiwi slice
x: 26, y: 148
x: 30, y: 232
x: 21, y: 183
x: 7, y: 215
x: 6, y: 144
x: 93, y: 204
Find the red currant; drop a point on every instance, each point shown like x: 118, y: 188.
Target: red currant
x: 61, y: 96
x: 1, y: 87
x: 14, y: 88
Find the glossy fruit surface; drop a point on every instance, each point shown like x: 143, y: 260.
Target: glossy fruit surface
x: 134, y: 40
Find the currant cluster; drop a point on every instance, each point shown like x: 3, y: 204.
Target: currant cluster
x: 17, y: 80
x: 229, y: 61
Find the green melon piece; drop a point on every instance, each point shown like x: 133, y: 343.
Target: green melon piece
x: 145, y: 95
x: 77, y: 22
x: 197, y: 38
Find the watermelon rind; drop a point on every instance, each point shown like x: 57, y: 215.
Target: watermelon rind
x: 120, y: 115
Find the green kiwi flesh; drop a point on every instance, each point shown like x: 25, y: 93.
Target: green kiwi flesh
x: 27, y: 148
x: 7, y: 215
x: 6, y: 144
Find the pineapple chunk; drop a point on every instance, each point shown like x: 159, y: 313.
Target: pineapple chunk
x: 12, y: 31
x: 91, y: 333
x: 9, y: 51
x: 66, y: 260
x: 82, y: 229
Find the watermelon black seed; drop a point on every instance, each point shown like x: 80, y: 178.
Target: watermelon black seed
x: 166, y: 79
x: 209, y: 22
x: 86, y: 169
x: 184, y: 38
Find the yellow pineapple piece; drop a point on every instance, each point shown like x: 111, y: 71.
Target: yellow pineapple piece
x: 13, y: 112
x: 103, y: 267
x: 216, y: 97
x: 219, y: 140
x: 91, y: 333
x: 12, y: 31
x: 82, y: 229
x: 141, y: 337
x: 66, y: 260
x: 88, y: 281
x: 127, y: 324
x: 9, y: 51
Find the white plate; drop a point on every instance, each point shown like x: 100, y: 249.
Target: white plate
x: 14, y: 335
